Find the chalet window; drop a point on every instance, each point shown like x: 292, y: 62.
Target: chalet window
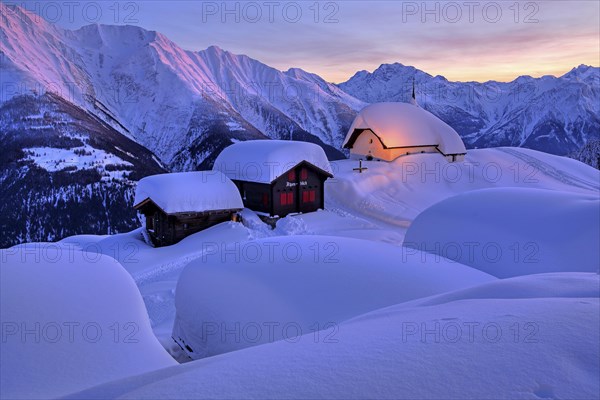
x: 150, y: 223
x: 156, y: 221
x: 303, y: 174
x: 286, y: 198
x: 292, y: 175
x: 308, y: 196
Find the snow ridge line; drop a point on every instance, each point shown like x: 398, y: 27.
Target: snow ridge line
x: 551, y: 171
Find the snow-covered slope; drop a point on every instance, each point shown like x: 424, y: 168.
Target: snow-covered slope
x: 393, y: 194
x: 557, y: 115
x: 36, y: 58
x: 162, y: 94
x: 523, y: 338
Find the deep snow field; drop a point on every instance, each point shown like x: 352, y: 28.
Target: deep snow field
x: 421, y: 279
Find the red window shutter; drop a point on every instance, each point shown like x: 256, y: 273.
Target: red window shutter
x: 312, y: 195
x: 304, y: 196
x: 290, y: 198
x: 304, y: 174
x: 265, y: 199
x: 292, y: 175
x: 283, y: 199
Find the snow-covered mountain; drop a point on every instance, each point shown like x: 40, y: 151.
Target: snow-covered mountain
x: 558, y: 115
x: 182, y: 105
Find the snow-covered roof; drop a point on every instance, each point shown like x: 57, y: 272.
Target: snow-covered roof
x: 405, y: 125
x: 189, y: 192
x: 264, y: 161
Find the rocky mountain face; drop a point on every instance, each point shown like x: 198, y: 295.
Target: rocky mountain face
x: 86, y: 113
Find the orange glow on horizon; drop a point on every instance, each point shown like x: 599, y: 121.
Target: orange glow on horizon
x: 478, y: 72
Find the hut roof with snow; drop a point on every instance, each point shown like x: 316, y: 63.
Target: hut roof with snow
x: 263, y: 161
x: 188, y: 192
x: 403, y: 126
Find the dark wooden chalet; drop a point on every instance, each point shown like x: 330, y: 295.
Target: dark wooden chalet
x: 299, y: 189
x: 165, y: 229
x: 186, y: 205
x: 294, y: 185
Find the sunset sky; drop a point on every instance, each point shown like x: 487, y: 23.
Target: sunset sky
x: 470, y: 40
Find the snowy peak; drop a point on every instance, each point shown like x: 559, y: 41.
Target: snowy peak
x: 219, y: 59
x: 585, y: 73
x: 299, y: 73
x: 392, y: 70
x: 389, y: 82
x: 359, y: 75
x: 122, y: 37
x: 301, y: 102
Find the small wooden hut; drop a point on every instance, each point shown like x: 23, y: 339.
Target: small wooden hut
x: 177, y: 205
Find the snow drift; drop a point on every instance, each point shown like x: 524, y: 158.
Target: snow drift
x: 70, y: 320
x: 513, y: 231
x: 280, y: 288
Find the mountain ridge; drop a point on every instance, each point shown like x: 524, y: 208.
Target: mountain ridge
x: 558, y: 115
